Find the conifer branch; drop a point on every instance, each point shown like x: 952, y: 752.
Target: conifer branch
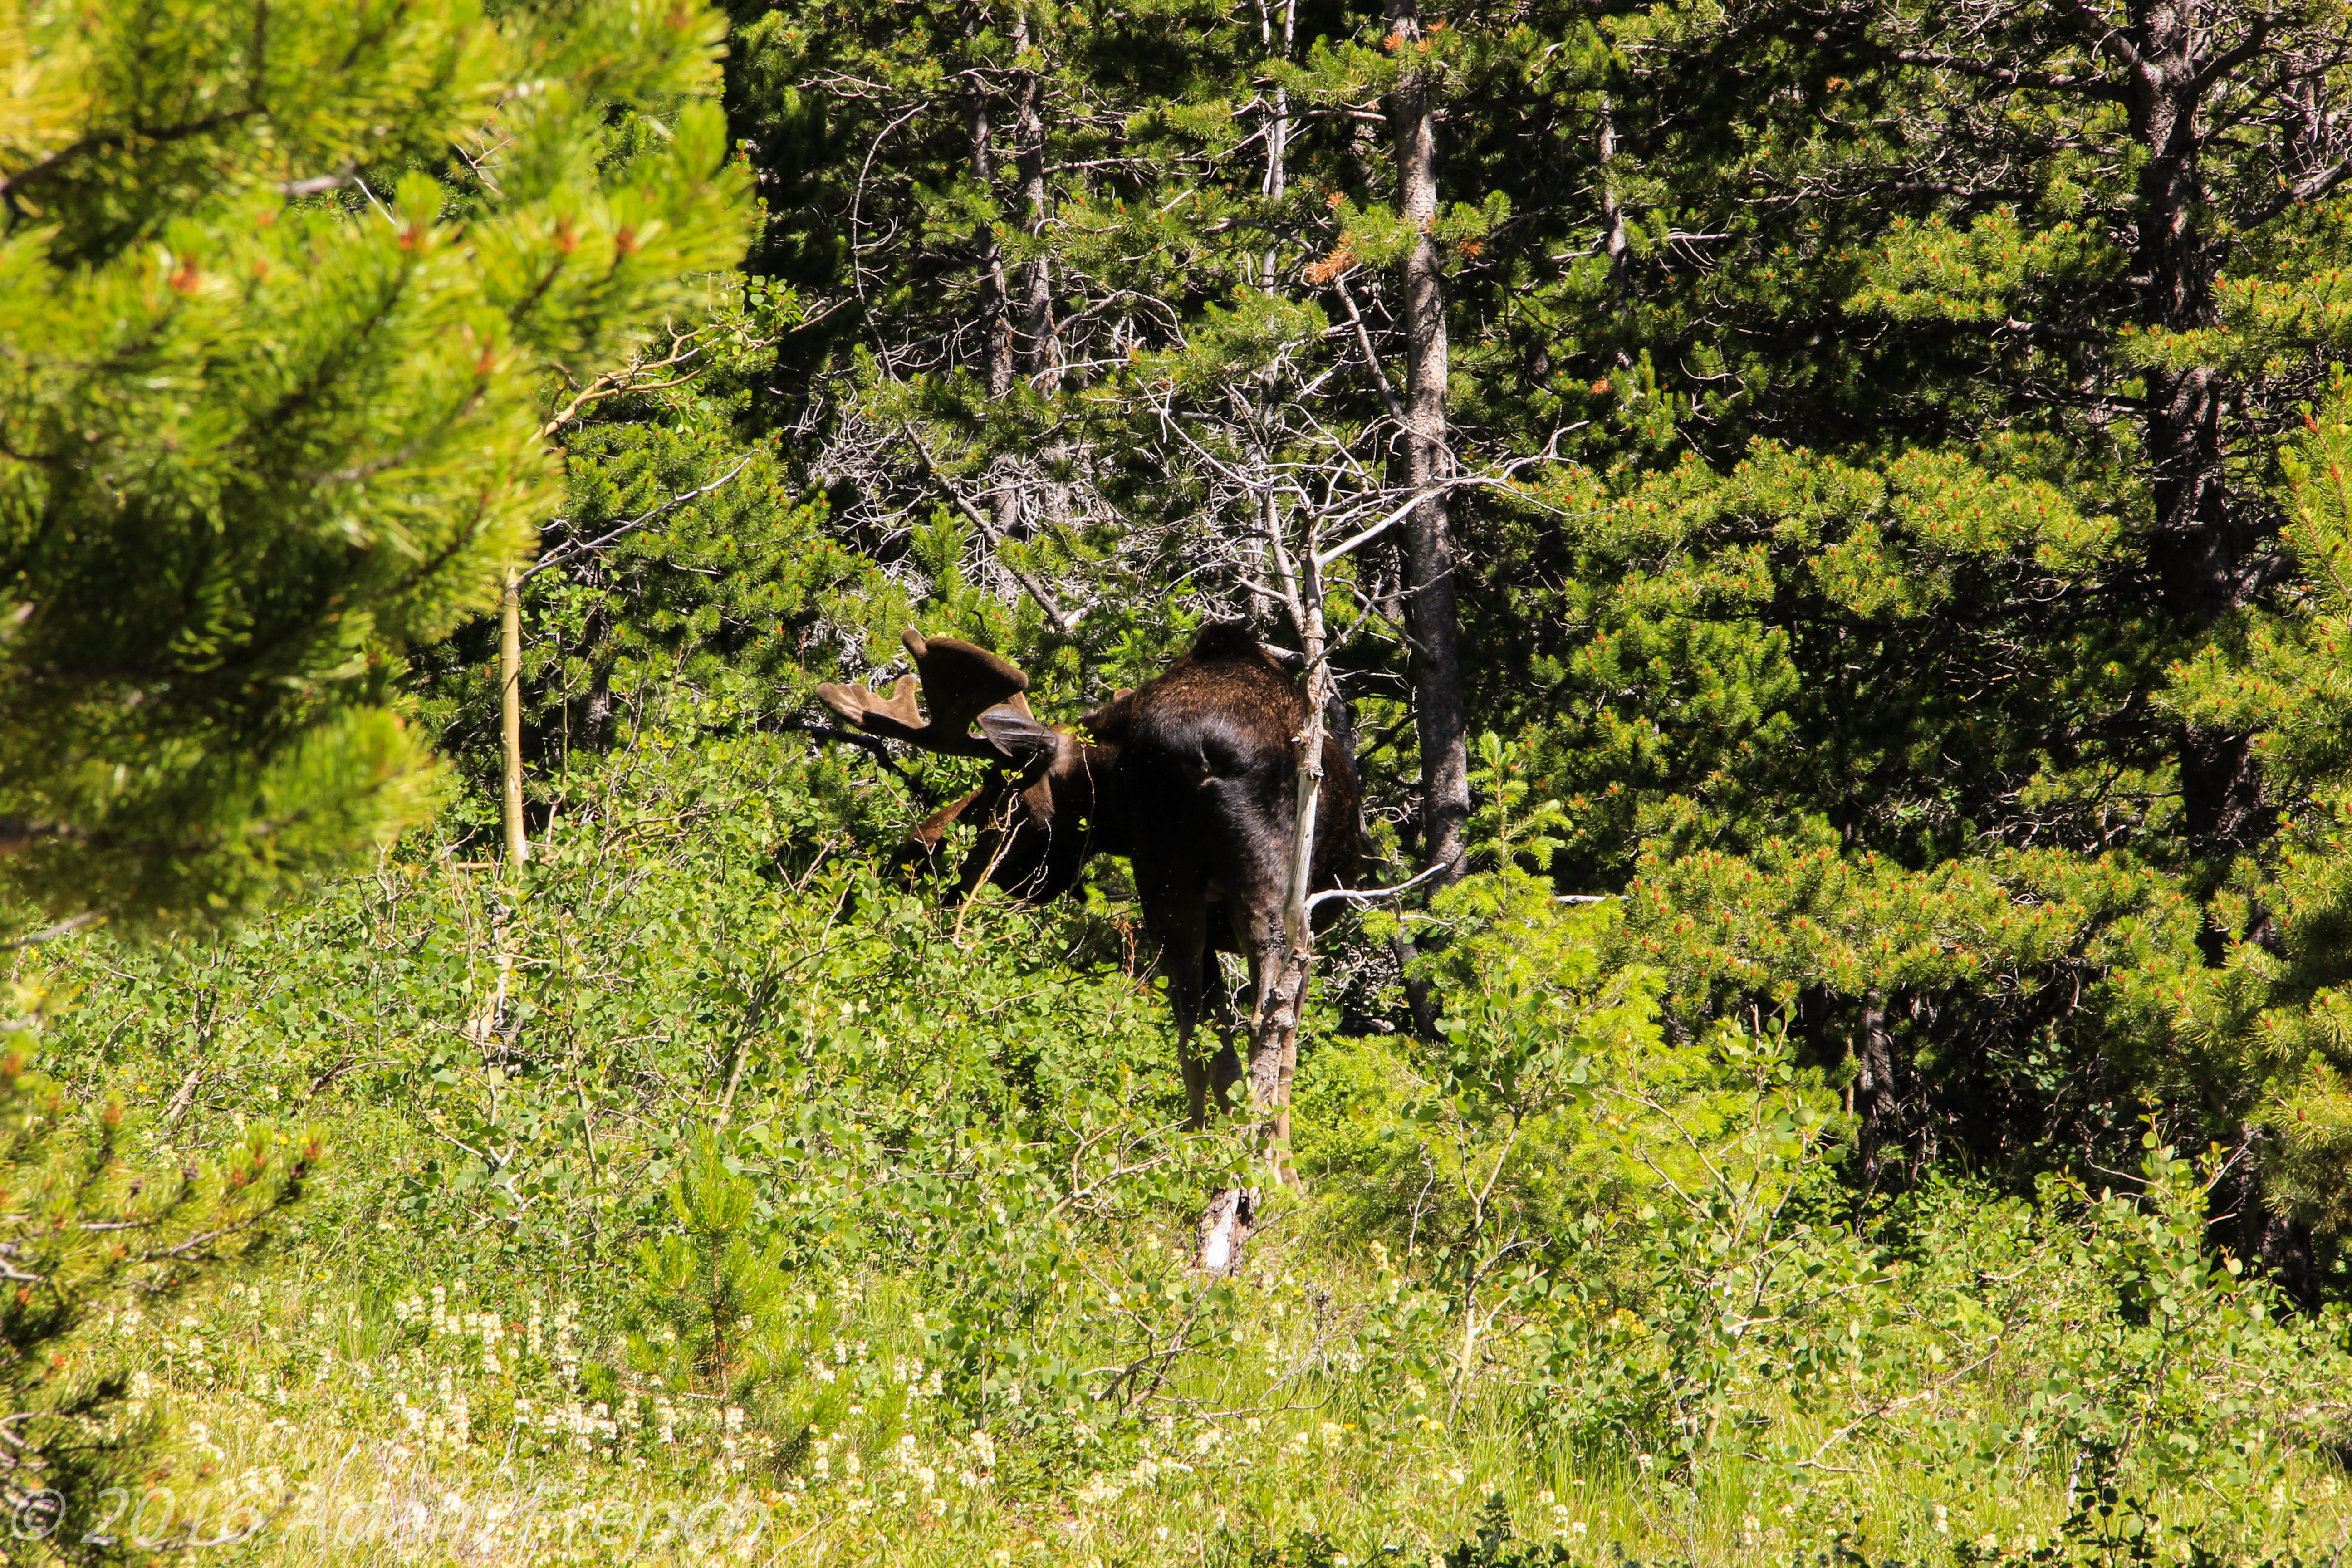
x: 1364, y: 342
x: 2316, y: 187
x: 114, y: 140
x: 2100, y: 89
x: 1061, y: 623
x: 564, y: 553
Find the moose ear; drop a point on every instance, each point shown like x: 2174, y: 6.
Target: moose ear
x: 1019, y: 739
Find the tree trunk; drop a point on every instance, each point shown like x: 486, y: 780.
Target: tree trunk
x: 1282, y: 977
x: 510, y: 716
x: 1426, y: 553
x: 2198, y: 549
x: 1278, y: 119
x: 2195, y: 550
x: 1039, y: 346
x: 1040, y: 349
x: 1613, y: 243
x: 995, y: 321
x: 1875, y: 1099
x: 1223, y: 1229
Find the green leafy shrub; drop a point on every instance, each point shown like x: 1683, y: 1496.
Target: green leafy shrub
x: 1553, y: 1096
x: 934, y: 1156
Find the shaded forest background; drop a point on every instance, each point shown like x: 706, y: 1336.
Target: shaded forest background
x: 1847, y: 596
x: 1867, y: 438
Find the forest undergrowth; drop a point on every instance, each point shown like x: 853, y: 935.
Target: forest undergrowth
x: 1831, y: 522
x: 707, y: 1194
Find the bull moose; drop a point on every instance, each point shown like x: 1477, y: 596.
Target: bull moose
x: 1190, y: 777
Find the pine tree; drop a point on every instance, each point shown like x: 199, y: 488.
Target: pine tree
x: 2265, y: 1031
x: 709, y: 1286
x: 1987, y: 322
x: 290, y: 299
x: 85, y: 1235
x: 273, y: 406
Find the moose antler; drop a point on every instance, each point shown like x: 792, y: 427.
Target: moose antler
x: 960, y: 682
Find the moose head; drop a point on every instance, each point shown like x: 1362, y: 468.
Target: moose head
x: 1048, y: 804
x: 1190, y: 777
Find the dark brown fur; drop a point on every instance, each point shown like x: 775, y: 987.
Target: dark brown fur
x: 1191, y: 776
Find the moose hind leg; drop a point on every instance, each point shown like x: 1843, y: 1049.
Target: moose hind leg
x: 1196, y: 1081
x: 1179, y: 963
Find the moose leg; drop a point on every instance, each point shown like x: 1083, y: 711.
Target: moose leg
x: 1178, y: 961
x: 1196, y: 1081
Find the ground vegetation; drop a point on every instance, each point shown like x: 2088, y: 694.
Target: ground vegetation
x: 1822, y: 527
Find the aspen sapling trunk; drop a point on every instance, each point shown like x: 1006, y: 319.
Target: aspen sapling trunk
x: 1282, y: 995
x: 511, y: 717
x: 1281, y: 998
